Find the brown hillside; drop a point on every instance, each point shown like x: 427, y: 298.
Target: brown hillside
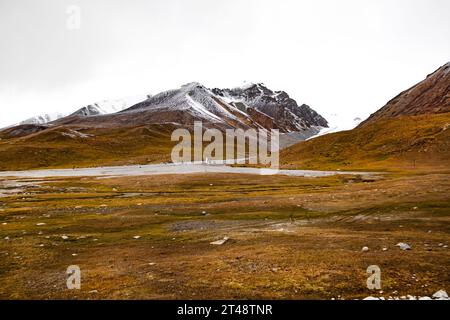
x: 431, y: 95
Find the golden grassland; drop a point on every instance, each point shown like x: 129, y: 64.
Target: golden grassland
x: 290, y: 237
x: 56, y: 148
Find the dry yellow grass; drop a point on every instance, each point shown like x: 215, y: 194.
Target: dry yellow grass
x: 53, y: 148
x: 290, y: 237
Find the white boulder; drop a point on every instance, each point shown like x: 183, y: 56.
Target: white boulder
x: 441, y: 294
x: 403, y: 246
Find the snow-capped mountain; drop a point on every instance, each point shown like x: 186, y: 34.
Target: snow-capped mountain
x: 43, y: 118
x: 276, y: 104
x: 99, y: 108
x: 250, y: 106
x: 192, y: 98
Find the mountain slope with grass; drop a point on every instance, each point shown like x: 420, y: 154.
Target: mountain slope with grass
x: 410, y: 132
x: 430, y: 96
x: 66, y: 147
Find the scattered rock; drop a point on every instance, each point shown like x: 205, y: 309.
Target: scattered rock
x: 403, y: 246
x: 441, y: 294
x: 385, y: 249
x: 6, y: 238
x: 365, y: 249
x: 220, y: 242
x: 136, y: 237
x: 40, y: 224
x: 371, y: 298
x: 93, y: 291
x: 64, y: 237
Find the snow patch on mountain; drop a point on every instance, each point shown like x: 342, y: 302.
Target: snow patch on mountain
x: 198, y: 107
x: 107, y: 106
x: 43, y: 118
x: 76, y: 134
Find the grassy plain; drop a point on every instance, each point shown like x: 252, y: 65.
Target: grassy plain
x: 289, y: 237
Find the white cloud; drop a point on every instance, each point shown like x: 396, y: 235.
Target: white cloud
x: 347, y: 57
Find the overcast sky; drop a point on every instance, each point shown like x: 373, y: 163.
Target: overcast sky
x: 347, y: 57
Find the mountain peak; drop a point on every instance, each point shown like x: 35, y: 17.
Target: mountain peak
x: 43, y: 118
x: 192, y: 85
